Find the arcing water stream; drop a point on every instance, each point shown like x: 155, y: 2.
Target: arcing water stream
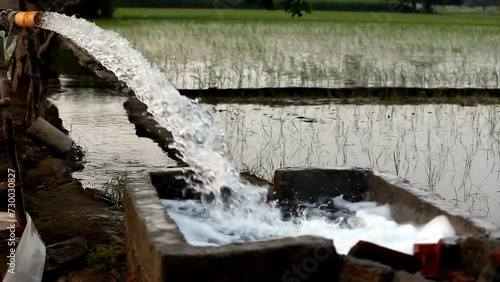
x: 203, y: 147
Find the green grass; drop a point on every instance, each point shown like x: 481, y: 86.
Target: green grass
x: 113, y: 188
x: 323, y: 16
x: 106, y: 257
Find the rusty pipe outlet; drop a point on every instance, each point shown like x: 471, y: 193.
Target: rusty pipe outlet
x: 12, y: 21
x: 30, y: 19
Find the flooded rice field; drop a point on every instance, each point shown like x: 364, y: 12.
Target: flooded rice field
x: 450, y: 149
x: 327, y: 53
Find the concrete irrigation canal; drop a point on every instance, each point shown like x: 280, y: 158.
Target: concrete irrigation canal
x: 153, y: 236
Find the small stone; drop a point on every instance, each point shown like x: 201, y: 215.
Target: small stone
x: 358, y: 270
x: 66, y: 254
x: 403, y: 276
x: 308, y: 184
x: 67, y: 251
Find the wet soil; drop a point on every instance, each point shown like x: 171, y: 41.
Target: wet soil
x: 57, y: 203
x: 361, y: 95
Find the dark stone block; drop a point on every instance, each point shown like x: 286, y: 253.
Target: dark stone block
x: 69, y: 254
x: 402, y: 276
x: 68, y: 251
x: 359, y: 270
x: 314, y: 185
x: 476, y: 253
x: 172, y: 185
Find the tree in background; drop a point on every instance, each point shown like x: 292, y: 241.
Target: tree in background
x: 82, y: 8
x: 295, y: 7
x: 92, y: 9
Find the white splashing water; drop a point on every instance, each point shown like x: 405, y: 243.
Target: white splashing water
x: 217, y: 226
x: 202, y: 146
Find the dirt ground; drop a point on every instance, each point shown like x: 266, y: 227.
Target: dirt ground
x: 58, y: 205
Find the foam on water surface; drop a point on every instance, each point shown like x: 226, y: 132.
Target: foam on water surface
x: 369, y: 222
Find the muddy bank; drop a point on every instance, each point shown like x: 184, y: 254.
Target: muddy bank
x: 57, y: 203
x: 365, y: 95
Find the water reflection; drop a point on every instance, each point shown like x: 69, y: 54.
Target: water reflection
x: 97, y: 121
x: 450, y: 149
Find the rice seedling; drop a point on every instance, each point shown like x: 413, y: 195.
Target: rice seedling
x: 113, y: 188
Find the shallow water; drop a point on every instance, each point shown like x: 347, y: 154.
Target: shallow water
x: 450, y: 149
x: 98, y: 122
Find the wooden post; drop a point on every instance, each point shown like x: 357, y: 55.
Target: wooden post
x: 9, y: 136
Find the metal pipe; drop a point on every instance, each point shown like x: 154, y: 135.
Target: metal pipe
x: 30, y: 19
x: 10, y: 19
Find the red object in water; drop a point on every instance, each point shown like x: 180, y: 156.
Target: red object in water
x: 496, y: 257
x: 430, y: 256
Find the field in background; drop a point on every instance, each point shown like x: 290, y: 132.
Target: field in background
x: 257, y: 48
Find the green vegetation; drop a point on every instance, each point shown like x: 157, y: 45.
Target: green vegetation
x: 199, y: 49
x: 323, y: 16
x: 113, y: 188
x: 106, y: 257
